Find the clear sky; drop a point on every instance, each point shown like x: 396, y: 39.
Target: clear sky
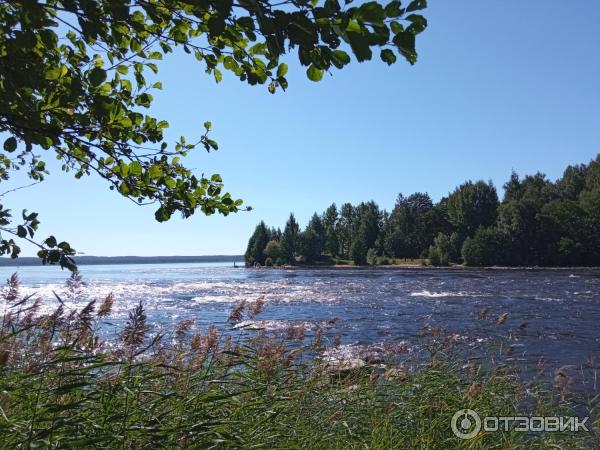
x: 499, y: 85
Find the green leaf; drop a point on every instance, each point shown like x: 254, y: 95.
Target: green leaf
x: 405, y: 42
x: 51, y: 242
x: 360, y: 46
x: 10, y: 145
x: 97, y: 76
x: 135, y: 168
x: 208, y: 125
x: 388, y: 56
x: 282, y: 70
x: 340, y: 58
x: 21, y: 231
x: 370, y: 12
x: 394, y: 9
x: 416, y: 5
x: 418, y: 23
x: 396, y: 27
x: 53, y: 73
x: 155, y: 171
x: 314, y: 73
x: 170, y: 183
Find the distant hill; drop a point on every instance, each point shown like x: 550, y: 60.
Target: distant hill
x: 95, y: 260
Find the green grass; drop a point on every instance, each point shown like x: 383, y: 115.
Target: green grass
x: 61, y: 387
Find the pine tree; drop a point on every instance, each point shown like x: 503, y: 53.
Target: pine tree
x: 330, y: 222
x: 359, y: 248
x: 256, y: 245
x: 289, y: 240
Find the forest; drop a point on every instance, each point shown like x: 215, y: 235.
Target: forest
x: 538, y: 222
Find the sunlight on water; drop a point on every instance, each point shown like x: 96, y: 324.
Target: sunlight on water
x: 550, y: 313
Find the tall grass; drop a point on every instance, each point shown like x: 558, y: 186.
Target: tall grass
x: 61, y: 386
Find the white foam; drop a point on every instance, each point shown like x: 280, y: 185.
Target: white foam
x: 426, y: 293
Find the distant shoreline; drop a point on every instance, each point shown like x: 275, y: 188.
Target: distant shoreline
x: 101, y: 260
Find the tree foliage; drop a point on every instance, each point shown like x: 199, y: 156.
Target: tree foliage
x: 486, y: 248
x: 255, y: 251
x: 538, y: 222
x: 273, y: 249
x: 77, y: 79
x: 473, y: 205
x: 290, y: 240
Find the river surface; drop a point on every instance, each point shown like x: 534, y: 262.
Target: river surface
x: 554, y: 314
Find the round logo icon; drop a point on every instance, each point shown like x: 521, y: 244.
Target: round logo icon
x: 466, y: 424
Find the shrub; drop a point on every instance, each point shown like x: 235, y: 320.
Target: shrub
x: 434, y: 256
x: 269, y: 262
x: 441, y: 251
x: 279, y: 262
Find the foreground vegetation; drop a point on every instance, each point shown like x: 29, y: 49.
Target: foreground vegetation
x: 62, y: 386
x: 538, y: 222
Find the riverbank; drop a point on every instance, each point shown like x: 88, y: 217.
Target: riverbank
x: 423, y: 267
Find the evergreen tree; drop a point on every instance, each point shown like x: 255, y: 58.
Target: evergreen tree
x: 256, y: 245
x: 369, y: 217
x: 332, y: 244
x: 330, y: 222
x: 359, y: 249
x: 274, y: 234
x: 289, y: 240
x: 316, y: 225
x: 345, y: 228
x: 310, y: 245
x: 330, y: 217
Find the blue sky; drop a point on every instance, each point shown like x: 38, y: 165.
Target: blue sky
x: 499, y: 86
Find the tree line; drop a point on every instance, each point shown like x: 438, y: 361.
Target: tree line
x: 537, y: 223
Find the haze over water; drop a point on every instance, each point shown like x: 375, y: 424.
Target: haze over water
x: 551, y: 313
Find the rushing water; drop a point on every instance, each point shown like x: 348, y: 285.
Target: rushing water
x: 551, y: 313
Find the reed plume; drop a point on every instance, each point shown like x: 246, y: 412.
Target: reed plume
x: 11, y: 291
x: 237, y: 312
x: 106, y: 306
x: 135, y: 329
x: 256, y: 306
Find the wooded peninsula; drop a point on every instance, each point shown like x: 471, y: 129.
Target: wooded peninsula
x: 538, y: 223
